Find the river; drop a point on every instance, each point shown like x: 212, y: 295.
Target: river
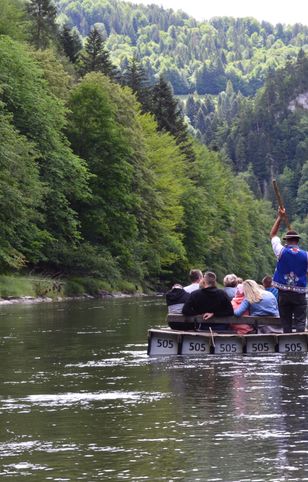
x: 80, y: 400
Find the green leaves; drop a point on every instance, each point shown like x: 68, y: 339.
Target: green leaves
x: 98, y: 187
x: 40, y: 117
x: 42, y: 14
x: 193, y: 56
x: 95, y: 135
x: 21, y: 193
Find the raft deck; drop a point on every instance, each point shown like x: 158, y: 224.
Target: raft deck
x: 191, y: 341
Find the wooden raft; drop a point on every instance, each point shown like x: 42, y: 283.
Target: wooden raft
x: 190, y: 341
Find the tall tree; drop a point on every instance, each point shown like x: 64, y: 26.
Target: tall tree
x: 71, y: 42
x: 43, y: 15
x: 96, y: 57
x: 21, y: 194
x: 136, y: 78
x: 40, y: 117
x: 169, y: 116
x: 107, y: 219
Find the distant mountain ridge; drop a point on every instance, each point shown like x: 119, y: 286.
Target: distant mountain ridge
x: 194, y: 56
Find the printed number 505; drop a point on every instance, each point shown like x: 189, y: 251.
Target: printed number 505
x: 293, y: 347
x: 260, y: 346
x: 165, y: 343
x: 228, y: 347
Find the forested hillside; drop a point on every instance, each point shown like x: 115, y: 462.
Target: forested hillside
x: 194, y: 56
x: 100, y: 175
x: 244, y: 78
x: 265, y: 136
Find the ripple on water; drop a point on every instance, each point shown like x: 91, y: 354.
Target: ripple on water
x: 129, y: 358
x: 22, y: 469
x: 65, y: 400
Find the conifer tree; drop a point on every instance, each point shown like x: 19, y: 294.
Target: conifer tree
x: 43, y: 16
x: 136, y: 78
x: 96, y: 57
x: 71, y: 43
x: 169, y: 116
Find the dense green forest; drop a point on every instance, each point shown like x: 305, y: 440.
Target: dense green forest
x: 100, y: 174
x: 264, y: 136
x: 194, y: 56
x: 242, y: 77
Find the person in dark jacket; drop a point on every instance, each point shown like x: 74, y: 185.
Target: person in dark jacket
x: 209, y: 300
x: 175, y: 299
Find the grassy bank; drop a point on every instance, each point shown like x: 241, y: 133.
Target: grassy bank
x: 38, y: 286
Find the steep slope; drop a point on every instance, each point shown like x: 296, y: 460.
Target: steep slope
x: 193, y: 56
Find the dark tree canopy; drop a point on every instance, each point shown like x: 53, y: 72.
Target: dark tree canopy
x: 169, y: 116
x: 71, y: 42
x: 135, y: 77
x: 95, y: 57
x: 43, y: 15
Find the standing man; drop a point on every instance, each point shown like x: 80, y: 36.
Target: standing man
x: 290, y: 277
x: 196, y: 277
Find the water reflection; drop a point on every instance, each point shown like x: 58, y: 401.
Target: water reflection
x: 80, y: 400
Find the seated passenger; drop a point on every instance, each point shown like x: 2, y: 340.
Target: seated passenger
x: 230, y: 284
x: 210, y: 300
x: 195, y: 276
x: 267, y: 282
x: 176, y: 298
x: 259, y: 303
x: 241, y: 329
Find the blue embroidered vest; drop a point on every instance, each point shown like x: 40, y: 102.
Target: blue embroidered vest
x: 291, y: 270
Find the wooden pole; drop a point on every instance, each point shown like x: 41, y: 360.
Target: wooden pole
x: 280, y: 203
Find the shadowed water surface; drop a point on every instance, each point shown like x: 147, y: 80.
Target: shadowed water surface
x: 81, y: 400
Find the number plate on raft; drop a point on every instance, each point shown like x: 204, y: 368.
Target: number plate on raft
x: 260, y: 344
x: 164, y: 344
x: 293, y: 344
x: 194, y: 345
x: 228, y: 345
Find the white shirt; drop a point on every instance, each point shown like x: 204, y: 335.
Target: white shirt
x: 175, y: 309
x: 192, y: 287
x: 277, y: 246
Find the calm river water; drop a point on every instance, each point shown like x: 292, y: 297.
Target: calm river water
x: 81, y: 400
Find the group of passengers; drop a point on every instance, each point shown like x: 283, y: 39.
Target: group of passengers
x: 247, y: 297
x: 238, y: 297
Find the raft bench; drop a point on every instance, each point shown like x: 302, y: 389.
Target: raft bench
x: 192, y: 336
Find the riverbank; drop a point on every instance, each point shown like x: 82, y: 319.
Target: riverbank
x: 37, y: 289
x: 46, y: 299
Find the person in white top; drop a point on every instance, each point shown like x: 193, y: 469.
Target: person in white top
x: 290, y: 277
x: 195, y: 276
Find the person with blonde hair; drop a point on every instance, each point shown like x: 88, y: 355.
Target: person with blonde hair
x: 259, y: 303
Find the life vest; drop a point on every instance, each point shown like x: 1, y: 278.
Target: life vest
x: 291, y: 270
